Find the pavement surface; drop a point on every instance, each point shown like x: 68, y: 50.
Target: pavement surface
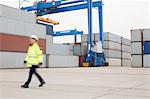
x: 78, y: 83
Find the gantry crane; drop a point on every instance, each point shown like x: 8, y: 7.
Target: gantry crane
x: 43, y: 8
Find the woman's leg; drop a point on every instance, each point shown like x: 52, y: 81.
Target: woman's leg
x: 31, y: 72
x: 40, y: 78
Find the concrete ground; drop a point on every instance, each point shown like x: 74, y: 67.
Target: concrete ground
x: 78, y: 83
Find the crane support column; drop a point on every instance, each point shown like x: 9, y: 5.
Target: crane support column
x: 90, y: 22
x: 100, y: 12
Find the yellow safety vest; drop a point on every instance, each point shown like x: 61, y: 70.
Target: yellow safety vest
x: 34, y: 55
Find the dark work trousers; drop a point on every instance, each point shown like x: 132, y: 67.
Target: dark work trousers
x: 31, y: 72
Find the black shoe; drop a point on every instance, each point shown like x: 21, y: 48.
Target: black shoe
x: 42, y: 83
x: 25, y: 86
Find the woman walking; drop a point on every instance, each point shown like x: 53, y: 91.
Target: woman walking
x: 33, y: 59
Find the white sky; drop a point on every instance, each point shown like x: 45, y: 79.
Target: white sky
x: 120, y: 16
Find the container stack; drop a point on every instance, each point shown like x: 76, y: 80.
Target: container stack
x: 140, y: 45
x: 15, y: 28
x: 112, y: 49
x: 116, y: 48
x: 125, y: 52
x: 146, y: 48
x: 80, y: 50
x: 136, y: 48
x: 60, y: 55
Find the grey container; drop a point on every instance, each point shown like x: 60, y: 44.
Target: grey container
x: 112, y: 53
x: 49, y: 39
x: 14, y: 60
x: 10, y: 26
x: 125, y: 41
x: 85, y: 38
x: 126, y: 55
x: 77, y: 50
x: 71, y: 47
x: 136, y: 35
x: 58, y: 49
x: 146, y: 34
x: 146, y: 60
x: 84, y: 43
x: 126, y: 62
x: 112, y: 37
x: 36, y: 29
x: 63, y: 61
x: 113, y: 61
x: 97, y: 37
x: 136, y: 48
x: 17, y: 14
x: 112, y: 45
x: 136, y: 61
x: 126, y: 48
x: 84, y: 50
x: 80, y: 50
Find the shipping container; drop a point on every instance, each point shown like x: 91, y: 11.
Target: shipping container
x: 112, y: 45
x: 58, y: 49
x: 136, y: 35
x: 136, y: 48
x: 126, y: 48
x: 10, y: 26
x: 125, y: 62
x: 126, y: 55
x: 16, y: 43
x: 14, y: 60
x: 107, y: 37
x: 85, y: 38
x: 80, y: 50
x: 49, y: 39
x: 140, y: 45
x: 146, y: 60
x: 71, y: 48
x: 84, y: 43
x: 136, y: 61
x: 125, y: 41
x: 147, y: 47
x: 63, y: 61
x: 146, y: 34
x: 113, y: 61
x: 17, y: 14
x: 36, y: 29
x: 77, y: 50
x: 97, y: 37
x: 112, y: 37
x: 82, y: 59
x: 112, y: 53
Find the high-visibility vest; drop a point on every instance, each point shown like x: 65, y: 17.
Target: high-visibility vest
x: 34, y: 55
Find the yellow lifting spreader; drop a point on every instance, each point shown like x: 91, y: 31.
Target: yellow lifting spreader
x: 47, y: 20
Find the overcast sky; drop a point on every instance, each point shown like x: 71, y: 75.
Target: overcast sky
x: 120, y: 16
